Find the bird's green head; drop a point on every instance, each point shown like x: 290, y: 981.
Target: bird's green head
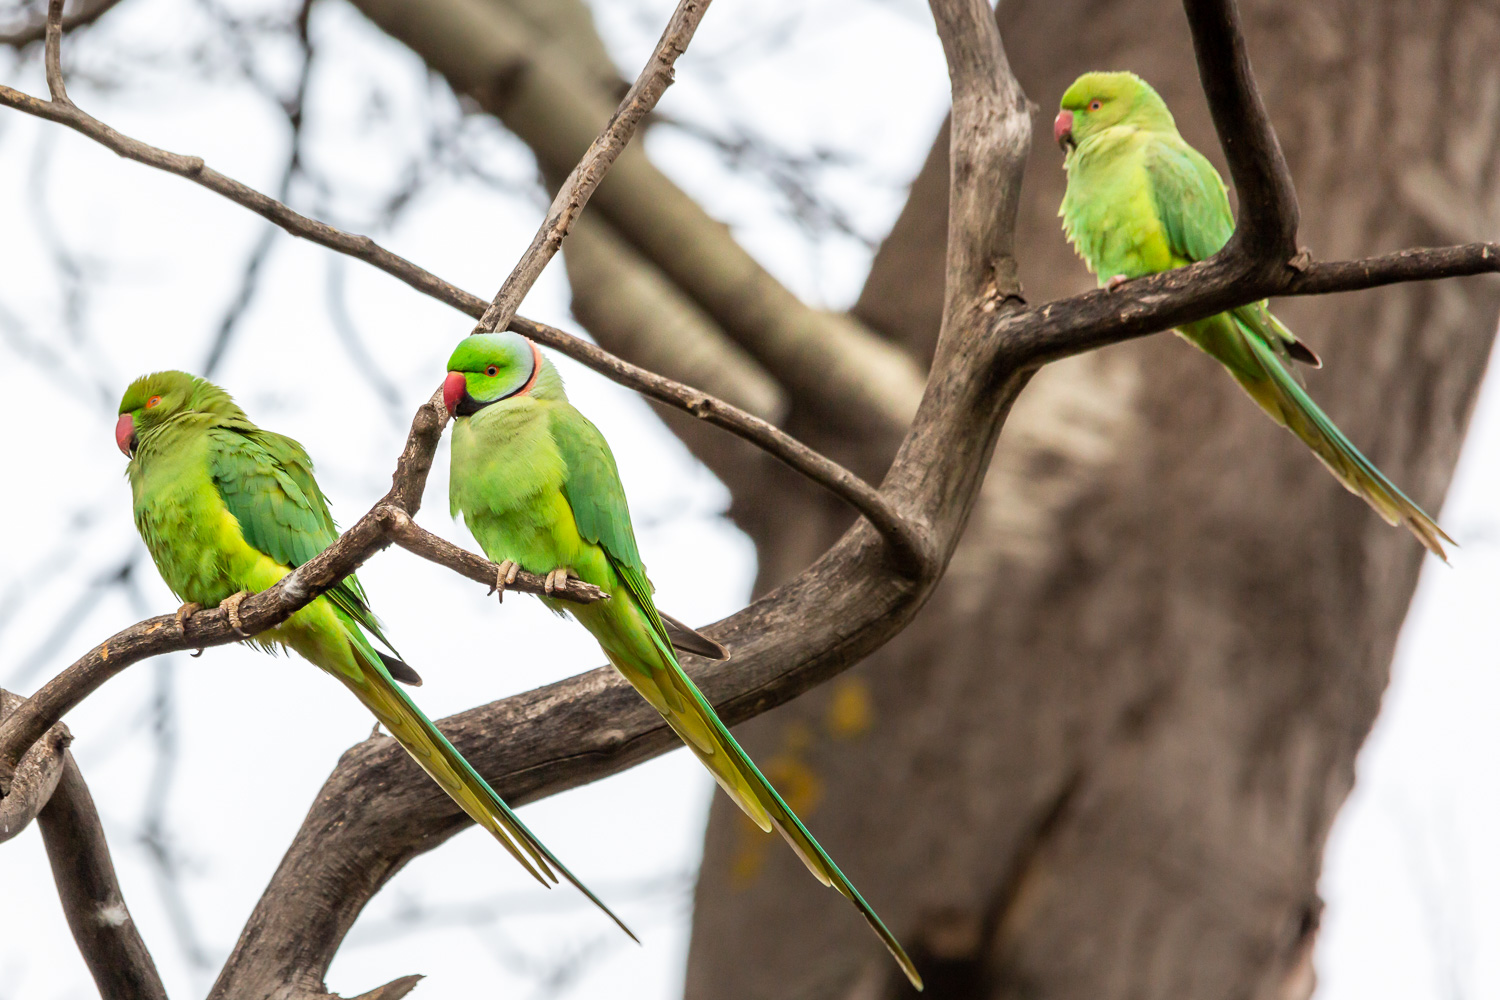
x: 161, y: 398
x: 488, y: 367
x: 1097, y: 101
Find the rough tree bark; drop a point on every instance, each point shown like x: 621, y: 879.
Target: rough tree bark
x: 1114, y: 774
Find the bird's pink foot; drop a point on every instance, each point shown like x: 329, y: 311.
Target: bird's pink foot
x: 505, y: 575
x: 557, y: 579
x: 1115, y: 282
x: 231, y: 606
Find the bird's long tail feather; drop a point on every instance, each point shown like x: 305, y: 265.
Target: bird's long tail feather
x: 690, y: 715
x: 1289, y: 404
x: 438, y: 757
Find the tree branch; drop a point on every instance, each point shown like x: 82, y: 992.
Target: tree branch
x: 371, y: 533
x: 825, y: 620
x: 581, y: 183
x: 1267, y: 229
x: 628, y: 305
x: 1034, y: 337
x: 837, y: 611
x: 907, y: 543
x: 106, y: 935
x: 36, y: 31
x: 825, y: 359
x: 36, y: 775
x: 53, y: 55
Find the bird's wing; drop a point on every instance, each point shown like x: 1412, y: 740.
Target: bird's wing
x: 1190, y: 200
x: 1194, y: 210
x: 593, y: 490
x: 266, y: 480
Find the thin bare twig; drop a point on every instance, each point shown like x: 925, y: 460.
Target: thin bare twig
x: 269, y: 608
x: 575, y: 192
x: 107, y: 936
x: 53, y: 56
x: 36, y: 31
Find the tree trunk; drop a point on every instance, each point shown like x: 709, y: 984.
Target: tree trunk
x: 1114, y: 773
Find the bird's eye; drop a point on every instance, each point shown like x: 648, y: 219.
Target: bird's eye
x: 1095, y: 104
x: 492, y: 371
x: 153, y: 401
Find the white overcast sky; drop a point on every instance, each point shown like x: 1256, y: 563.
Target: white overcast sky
x: 229, y: 749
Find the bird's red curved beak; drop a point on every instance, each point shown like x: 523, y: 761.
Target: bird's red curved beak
x: 1062, y: 129
x: 454, y: 387
x: 125, y: 434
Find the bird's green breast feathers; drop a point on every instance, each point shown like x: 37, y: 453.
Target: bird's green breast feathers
x: 229, y: 508
x: 194, y: 540
x: 508, y: 480
x: 1139, y: 202
x: 536, y: 483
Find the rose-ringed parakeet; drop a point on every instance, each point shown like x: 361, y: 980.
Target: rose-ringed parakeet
x: 1141, y: 200
x: 226, y: 508
x: 537, y: 486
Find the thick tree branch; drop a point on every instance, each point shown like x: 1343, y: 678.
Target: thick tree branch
x: 822, y: 622
x: 581, y: 183
x: 1267, y: 229
x: 106, y: 935
x: 988, y: 143
x: 36, y: 776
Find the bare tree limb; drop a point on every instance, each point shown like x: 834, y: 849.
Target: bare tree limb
x: 1159, y: 302
x: 1267, y: 229
x: 87, y: 13
x: 581, y: 183
x: 36, y: 776
x: 106, y: 935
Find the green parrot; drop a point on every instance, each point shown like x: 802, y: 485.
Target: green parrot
x: 226, y: 508
x: 1141, y: 200
x: 537, y: 486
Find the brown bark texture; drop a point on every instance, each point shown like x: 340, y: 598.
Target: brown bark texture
x: 1104, y: 759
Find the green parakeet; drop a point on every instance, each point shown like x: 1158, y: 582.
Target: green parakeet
x: 537, y: 486
x: 1141, y: 200
x: 227, y: 508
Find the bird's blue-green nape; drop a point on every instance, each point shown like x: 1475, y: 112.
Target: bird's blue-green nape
x: 500, y: 365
